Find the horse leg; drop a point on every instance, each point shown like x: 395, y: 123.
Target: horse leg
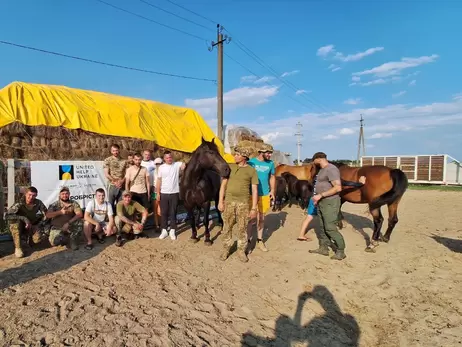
x: 192, y: 217
x: 378, y: 221
x: 340, y: 215
x: 207, y: 240
x: 392, y: 219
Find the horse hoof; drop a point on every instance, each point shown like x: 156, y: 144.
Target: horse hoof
x: 194, y: 239
x: 370, y: 250
x: 208, y: 242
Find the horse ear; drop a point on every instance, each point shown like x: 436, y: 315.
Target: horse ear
x: 213, y: 140
x: 203, y: 140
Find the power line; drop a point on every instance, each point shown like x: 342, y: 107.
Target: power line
x: 174, y: 14
x: 151, y: 20
x: 191, y: 11
x: 106, y: 64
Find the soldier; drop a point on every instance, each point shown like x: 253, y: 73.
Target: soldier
x: 126, y: 218
x: 66, y: 218
x: 114, y: 170
x: 234, y: 202
x: 26, y: 219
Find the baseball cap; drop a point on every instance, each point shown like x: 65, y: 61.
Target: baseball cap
x: 64, y: 189
x: 158, y: 161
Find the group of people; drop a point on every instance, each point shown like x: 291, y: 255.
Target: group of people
x: 135, y: 186
x: 138, y: 184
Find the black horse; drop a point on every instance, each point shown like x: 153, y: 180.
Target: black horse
x: 300, y: 189
x: 200, y: 184
x: 280, y: 194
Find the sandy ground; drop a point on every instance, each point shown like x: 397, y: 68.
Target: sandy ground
x: 165, y: 293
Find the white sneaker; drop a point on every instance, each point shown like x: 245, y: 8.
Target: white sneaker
x: 163, y: 234
x: 172, y: 234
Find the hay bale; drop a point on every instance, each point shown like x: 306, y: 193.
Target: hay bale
x: 56, y: 143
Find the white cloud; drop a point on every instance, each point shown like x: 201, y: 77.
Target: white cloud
x: 235, y: 98
x: 352, y: 101
x: 325, y: 50
x: 412, y: 83
x: 346, y: 131
x: 397, y: 95
x: 357, y: 56
x: 330, y: 137
x: 396, y: 67
x: 247, y: 79
x: 290, y: 73
x: 380, y: 135
x: 395, y: 119
x: 330, y: 49
x: 379, y: 81
x: 333, y: 67
x: 355, y: 78
x: 302, y: 91
x: 264, y: 79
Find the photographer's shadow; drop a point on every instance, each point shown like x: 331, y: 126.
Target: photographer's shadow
x: 331, y: 329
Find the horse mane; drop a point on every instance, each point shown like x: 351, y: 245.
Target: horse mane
x: 193, y: 171
x: 337, y: 164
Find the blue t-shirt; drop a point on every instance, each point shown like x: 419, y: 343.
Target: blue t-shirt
x: 264, y: 171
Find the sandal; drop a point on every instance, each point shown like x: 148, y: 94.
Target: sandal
x: 101, y: 239
x: 89, y: 247
x: 303, y: 239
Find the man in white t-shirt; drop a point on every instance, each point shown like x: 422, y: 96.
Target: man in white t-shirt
x: 99, y: 218
x: 168, y: 193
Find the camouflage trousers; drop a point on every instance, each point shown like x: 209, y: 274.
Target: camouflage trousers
x: 235, y: 220
x: 124, y: 228
x: 33, y: 235
x: 58, y: 237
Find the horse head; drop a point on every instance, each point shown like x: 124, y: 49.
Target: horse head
x: 208, y: 157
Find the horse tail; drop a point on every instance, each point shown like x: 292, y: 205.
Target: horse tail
x: 400, y: 184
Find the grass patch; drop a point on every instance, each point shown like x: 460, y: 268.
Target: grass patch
x: 435, y: 187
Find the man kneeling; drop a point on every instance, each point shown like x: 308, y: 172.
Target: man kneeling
x: 25, y: 219
x: 66, y: 221
x: 126, y: 218
x: 99, y: 219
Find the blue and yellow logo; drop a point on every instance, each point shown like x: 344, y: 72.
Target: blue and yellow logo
x: 66, y: 172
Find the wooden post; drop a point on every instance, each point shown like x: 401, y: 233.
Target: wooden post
x: 430, y: 168
x: 11, y: 186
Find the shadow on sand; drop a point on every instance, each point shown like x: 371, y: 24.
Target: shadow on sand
x: 30, y: 269
x: 454, y: 245
x: 359, y: 223
x: 333, y: 328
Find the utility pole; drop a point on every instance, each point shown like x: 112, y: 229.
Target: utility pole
x: 299, y: 135
x: 220, y: 39
x: 361, y: 141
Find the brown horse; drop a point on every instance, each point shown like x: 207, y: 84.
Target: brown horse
x: 304, y: 172
x: 384, y: 186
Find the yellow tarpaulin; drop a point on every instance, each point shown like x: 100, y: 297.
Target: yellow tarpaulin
x: 173, y: 127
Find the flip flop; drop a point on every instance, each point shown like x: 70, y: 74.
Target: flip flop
x: 101, y: 240
x: 303, y: 239
x: 89, y: 247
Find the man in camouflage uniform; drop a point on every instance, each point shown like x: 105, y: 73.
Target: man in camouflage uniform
x: 234, y: 202
x: 114, y: 170
x: 66, y: 218
x: 26, y: 220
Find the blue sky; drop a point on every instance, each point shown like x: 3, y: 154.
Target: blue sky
x: 395, y: 62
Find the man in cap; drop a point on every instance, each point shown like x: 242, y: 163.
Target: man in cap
x: 66, y: 220
x: 234, y: 202
x: 126, y: 218
x: 25, y: 218
x: 327, y: 199
x: 266, y: 187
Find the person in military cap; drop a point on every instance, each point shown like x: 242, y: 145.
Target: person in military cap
x: 25, y: 219
x: 234, y: 202
x: 66, y: 220
x: 266, y: 187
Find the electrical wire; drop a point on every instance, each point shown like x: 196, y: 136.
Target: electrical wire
x: 106, y: 64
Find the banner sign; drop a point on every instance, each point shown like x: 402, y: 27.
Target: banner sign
x: 81, y: 177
